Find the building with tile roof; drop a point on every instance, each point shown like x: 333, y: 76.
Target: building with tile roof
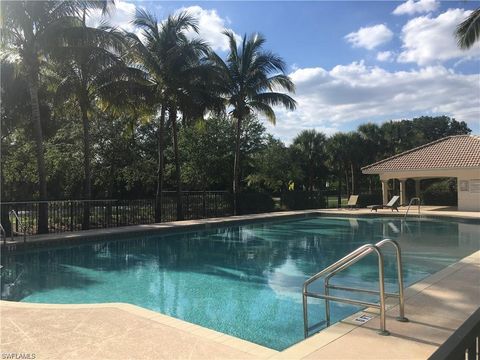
x: 454, y: 156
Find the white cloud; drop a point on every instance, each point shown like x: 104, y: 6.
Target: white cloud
x: 411, y: 7
x: 429, y: 39
x: 120, y: 16
x: 211, y: 25
x: 370, y: 37
x: 330, y: 100
x: 385, y: 56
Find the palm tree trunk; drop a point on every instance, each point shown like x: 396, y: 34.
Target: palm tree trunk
x: 173, y: 120
x: 42, y: 226
x: 159, y: 194
x: 87, y: 185
x: 236, y: 167
x: 310, y: 178
x: 353, y: 178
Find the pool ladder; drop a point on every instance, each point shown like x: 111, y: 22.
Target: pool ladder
x: 346, y: 262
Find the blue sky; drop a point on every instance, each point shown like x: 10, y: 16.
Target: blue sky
x: 352, y: 61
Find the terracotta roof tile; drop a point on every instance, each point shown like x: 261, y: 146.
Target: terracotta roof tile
x: 460, y: 151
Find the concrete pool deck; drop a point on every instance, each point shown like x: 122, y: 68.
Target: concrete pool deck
x: 436, y: 307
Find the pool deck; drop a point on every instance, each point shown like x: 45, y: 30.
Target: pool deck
x: 436, y: 307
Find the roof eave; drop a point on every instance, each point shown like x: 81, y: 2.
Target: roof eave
x: 376, y: 172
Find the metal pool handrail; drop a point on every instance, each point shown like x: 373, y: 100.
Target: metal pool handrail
x: 410, y: 204
x: 19, y: 223
x: 3, y: 234
x: 346, y: 262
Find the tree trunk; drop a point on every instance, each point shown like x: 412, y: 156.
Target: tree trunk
x: 339, y: 196
x: 236, y: 167
x: 353, y: 178
x: 310, y: 177
x: 159, y: 194
x: 346, y: 181
x: 87, y: 185
x: 173, y: 120
x: 42, y: 177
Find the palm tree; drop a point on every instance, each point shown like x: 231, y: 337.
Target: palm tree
x: 468, y: 31
x: 248, y: 80
x: 309, y: 146
x: 177, y: 75
x: 29, y: 31
x: 89, y: 66
x: 345, y: 155
x: 337, y: 149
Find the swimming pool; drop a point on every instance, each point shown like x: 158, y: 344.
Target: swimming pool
x: 243, y: 280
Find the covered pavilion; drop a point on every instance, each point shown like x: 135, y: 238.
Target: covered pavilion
x: 454, y: 156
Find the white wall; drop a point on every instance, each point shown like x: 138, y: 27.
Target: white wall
x: 469, y: 191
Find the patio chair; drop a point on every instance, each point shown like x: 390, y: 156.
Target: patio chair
x: 392, y: 204
x: 352, y: 201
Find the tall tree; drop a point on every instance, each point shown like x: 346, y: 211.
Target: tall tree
x: 273, y: 167
x: 89, y: 66
x: 309, y: 149
x: 248, y: 80
x: 176, y: 73
x: 339, y: 150
x: 468, y: 31
x: 29, y: 31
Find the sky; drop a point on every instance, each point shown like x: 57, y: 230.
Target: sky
x: 351, y: 61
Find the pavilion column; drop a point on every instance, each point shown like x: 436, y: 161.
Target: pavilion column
x: 417, y: 187
x: 403, y: 193
x: 385, y: 191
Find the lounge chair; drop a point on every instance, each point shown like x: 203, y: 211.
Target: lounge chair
x: 392, y: 204
x: 352, y: 201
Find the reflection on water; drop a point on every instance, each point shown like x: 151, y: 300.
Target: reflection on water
x: 245, y: 281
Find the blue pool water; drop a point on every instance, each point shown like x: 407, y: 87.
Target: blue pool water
x: 241, y: 280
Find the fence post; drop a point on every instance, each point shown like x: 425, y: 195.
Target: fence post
x: 116, y: 211
x: 86, y: 215
x: 71, y: 215
x: 204, y: 210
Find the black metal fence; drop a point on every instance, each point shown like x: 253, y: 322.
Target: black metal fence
x: 69, y: 215
x: 74, y: 215
x: 463, y: 343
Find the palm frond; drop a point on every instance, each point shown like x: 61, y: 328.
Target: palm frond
x: 146, y: 21
x: 278, y: 81
x: 468, y: 31
x: 182, y: 21
x: 264, y: 109
x: 233, y: 57
x: 274, y: 99
x: 268, y: 62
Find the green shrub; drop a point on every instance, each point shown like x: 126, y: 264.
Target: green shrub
x: 435, y: 197
x: 254, y: 202
x: 301, y: 200
x: 443, y: 192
